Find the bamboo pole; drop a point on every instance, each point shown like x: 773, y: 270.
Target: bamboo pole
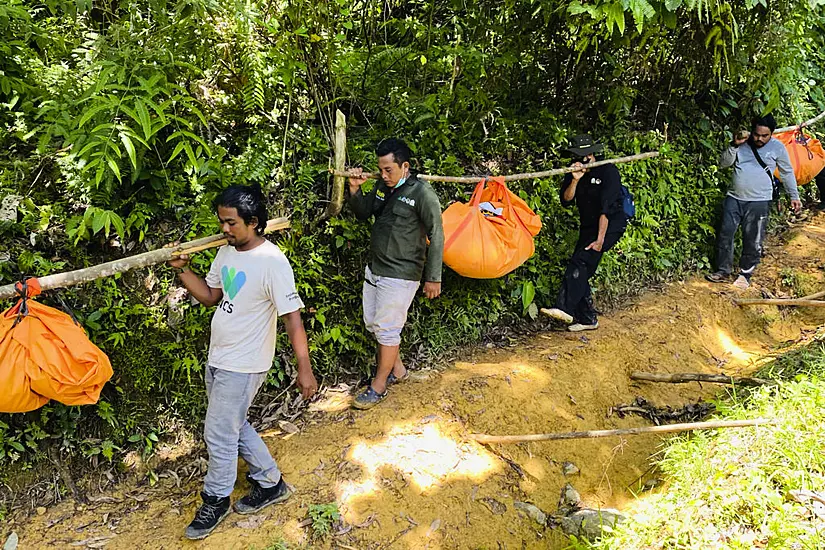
x: 79, y: 276
x: 668, y: 428
x: 340, y: 146
x: 515, y: 177
x: 780, y: 302
x: 684, y: 377
x: 814, y: 120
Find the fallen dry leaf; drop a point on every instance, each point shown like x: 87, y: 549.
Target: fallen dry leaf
x: 433, y: 527
x: 252, y: 522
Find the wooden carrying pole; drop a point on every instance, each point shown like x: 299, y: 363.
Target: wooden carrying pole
x: 814, y: 120
x: 668, y: 428
x: 684, y: 377
x: 79, y: 276
x: 513, y: 177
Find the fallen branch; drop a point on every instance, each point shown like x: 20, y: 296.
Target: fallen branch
x: 813, y: 296
x: 513, y: 177
x: 684, y: 377
x: 668, y: 428
x: 79, y: 276
x: 780, y: 302
x: 814, y: 120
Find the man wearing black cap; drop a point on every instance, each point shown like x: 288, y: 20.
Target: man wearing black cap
x: 598, y: 195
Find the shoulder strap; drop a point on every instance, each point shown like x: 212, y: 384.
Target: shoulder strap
x: 760, y: 161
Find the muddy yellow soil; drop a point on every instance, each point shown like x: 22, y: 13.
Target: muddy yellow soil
x: 404, y: 475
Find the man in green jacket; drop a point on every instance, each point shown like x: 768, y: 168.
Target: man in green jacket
x: 407, y: 213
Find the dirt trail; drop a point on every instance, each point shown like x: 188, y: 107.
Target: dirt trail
x: 403, y: 475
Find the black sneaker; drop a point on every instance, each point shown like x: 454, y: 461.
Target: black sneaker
x: 208, y: 516
x: 259, y: 497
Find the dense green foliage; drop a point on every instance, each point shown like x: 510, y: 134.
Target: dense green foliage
x: 119, y: 121
x: 734, y: 489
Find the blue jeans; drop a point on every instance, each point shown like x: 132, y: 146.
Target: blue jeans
x: 228, y: 433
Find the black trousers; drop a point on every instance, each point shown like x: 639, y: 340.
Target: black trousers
x: 820, y: 183
x: 575, y: 297
x: 752, y: 216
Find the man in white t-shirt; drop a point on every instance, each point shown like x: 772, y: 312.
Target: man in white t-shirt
x: 252, y: 284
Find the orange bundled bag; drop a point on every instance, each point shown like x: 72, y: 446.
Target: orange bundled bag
x: 807, y: 155
x: 492, y: 234
x: 45, y: 355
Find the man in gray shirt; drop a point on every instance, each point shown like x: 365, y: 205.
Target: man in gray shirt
x: 754, y: 158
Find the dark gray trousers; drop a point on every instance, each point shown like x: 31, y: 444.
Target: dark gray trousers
x: 752, y: 216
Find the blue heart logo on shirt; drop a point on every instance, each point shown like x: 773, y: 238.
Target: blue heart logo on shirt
x: 232, y: 281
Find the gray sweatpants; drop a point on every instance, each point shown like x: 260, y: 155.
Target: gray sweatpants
x: 752, y: 216
x: 228, y: 433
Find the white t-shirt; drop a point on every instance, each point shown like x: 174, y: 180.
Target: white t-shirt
x: 258, y: 285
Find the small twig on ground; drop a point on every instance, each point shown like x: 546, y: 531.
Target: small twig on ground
x: 78, y: 495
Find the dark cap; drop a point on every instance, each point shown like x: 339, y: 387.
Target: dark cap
x: 583, y: 145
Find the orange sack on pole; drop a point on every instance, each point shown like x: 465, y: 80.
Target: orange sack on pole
x: 807, y: 155
x: 45, y: 355
x: 492, y: 234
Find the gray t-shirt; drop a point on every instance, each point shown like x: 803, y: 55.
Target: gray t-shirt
x: 258, y: 285
x: 750, y: 181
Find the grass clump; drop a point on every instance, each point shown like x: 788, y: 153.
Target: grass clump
x: 323, y: 518
x: 733, y: 489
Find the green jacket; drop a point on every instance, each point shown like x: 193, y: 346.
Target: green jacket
x: 404, y: 218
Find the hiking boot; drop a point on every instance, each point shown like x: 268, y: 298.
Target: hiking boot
x: 578, y: 327
x: 208, y: 516
x: 260, y: 497
x: 558, y: 315
x: 718, y: 277
x: 742, y: 283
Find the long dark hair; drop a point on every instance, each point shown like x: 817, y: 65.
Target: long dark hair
x: 248, y: 200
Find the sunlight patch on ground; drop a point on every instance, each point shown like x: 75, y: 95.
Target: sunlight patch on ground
x: 732, y: 349
x: 527, y: 373
x: 424, y: 456
x: 331, y: 402
x: 293, y: 532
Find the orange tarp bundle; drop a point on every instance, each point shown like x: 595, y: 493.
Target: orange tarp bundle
x: 807, y: 155
x: 45, y: 355
x: 491, y: 243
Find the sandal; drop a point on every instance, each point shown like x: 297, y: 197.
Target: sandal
x: 392, y: 379
x: 368, y: 399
